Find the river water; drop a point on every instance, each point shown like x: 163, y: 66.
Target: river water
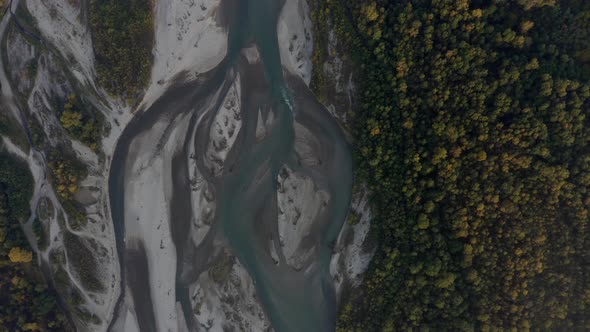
x: 246, y: 192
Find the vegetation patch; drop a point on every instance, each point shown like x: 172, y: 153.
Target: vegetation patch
x: 16, y: 182
x: 87, y: 317
x: 320, y: 19
x: 27, y: 302
x: 11, y: 128
x: 69, y: 292
x: 45, y: 209
x: 353, y: 217
x: 81, y: 259
x: 81, y: 122
x: 41, y: 233
x: 123, y: 38
x: 67, y: 172
x: 36, y: 133
x: 25, y: 19
x: 333, y: 67
x: 222, y: 268
x: 32, y: 67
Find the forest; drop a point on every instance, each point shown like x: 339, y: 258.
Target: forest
x: 473, y: 136
x: 122, y: 33
x: 82, y: 122
x: 26, y: 301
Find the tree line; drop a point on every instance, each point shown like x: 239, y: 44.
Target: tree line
x: 473, y: 135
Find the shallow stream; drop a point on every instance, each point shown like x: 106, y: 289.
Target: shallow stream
x: 303, y: 137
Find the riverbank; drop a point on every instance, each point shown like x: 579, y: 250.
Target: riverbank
x: 215, y: 118
x: 446, y: 175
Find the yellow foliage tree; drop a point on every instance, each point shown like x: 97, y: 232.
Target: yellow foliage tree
x: 371, y: 12
x: 19, y: 255
x: 31, y: 327
x: 526, y: 26
x: 70, y: 119
x: 446, y: 281
x: 533, y: 64
x: 530, y: 4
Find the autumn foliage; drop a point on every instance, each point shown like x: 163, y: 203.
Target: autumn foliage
x: 81, y: 122
x: 19, y: 255
x: 473, y: 132
x: 26, y: 303
x: 122, y: 33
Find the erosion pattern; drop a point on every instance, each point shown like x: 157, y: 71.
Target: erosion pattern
x: 237, y: 154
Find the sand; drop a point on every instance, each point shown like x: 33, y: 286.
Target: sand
x: 295, y: 38
x: 188, y: 40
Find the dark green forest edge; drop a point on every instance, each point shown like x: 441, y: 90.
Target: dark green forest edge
x: 26, y: 302
x: 473, y: 135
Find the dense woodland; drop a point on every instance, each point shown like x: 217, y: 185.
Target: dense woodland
x: 473, y: 134
x: 122, y: 33
x: 81, y: 122
x: 26, y: 302
x: 67, y: 172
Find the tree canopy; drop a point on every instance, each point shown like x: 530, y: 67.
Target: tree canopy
x: 27, y: 302
x: 122, y: 33
x: 473, y: 134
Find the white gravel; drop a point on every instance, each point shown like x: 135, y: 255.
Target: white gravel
x: 59, y: 22
x: 351, y: 260
x: 295, y: 38
x: 299, y: 203
x: 225, y: 128
x: 187, y: 39
x: 230, y: 304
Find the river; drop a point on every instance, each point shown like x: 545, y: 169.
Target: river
x: 245, y: 192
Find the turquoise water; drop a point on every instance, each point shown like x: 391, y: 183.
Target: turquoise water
x: 294, y: 300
